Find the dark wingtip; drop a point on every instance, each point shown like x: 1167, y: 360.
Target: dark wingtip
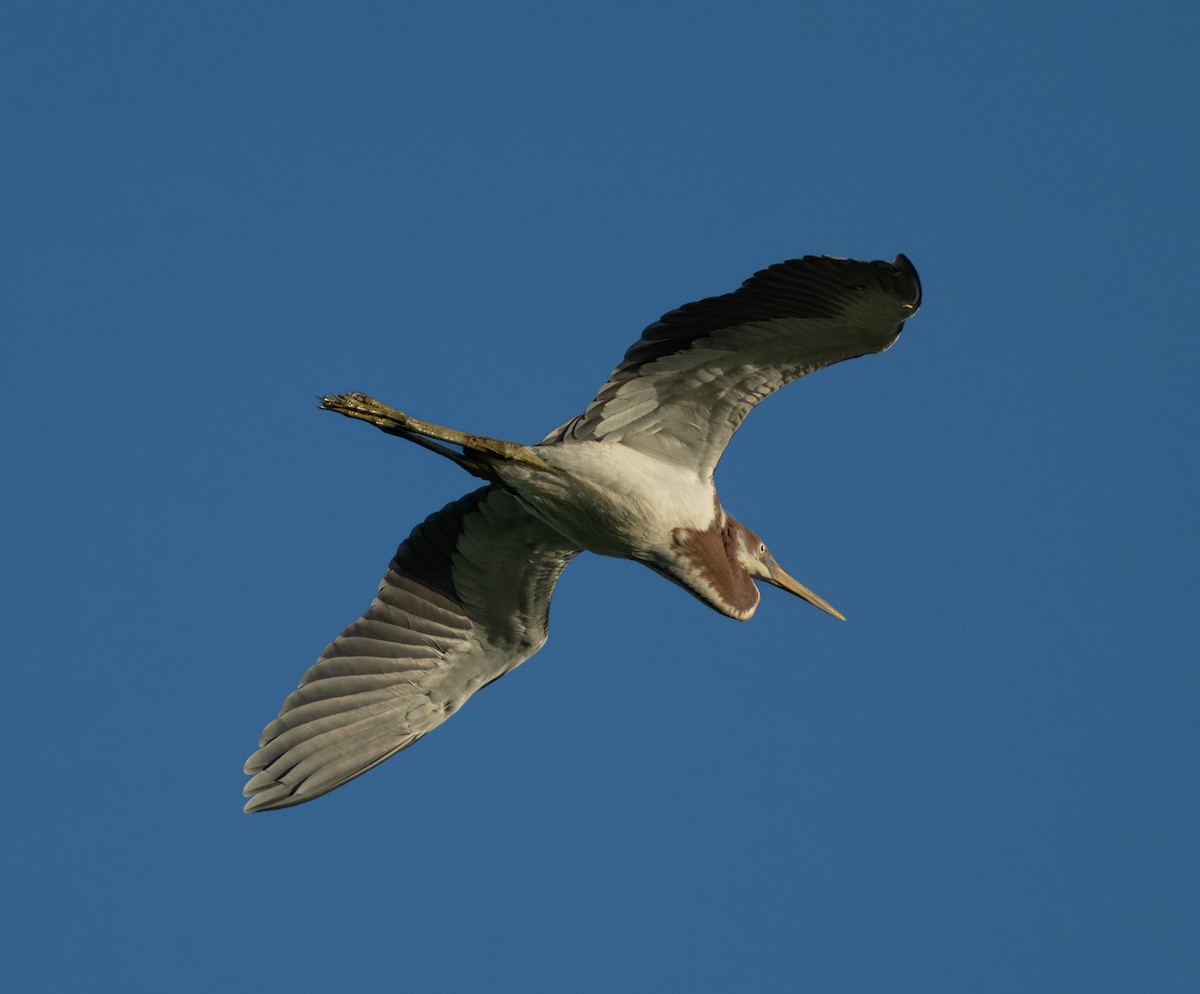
x: 908, y: 283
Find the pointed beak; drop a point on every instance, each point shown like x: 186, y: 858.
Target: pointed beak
x: 785, y: 581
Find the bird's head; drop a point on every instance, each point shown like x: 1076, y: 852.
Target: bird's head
x: 720, y: 564
x: 752, y: 554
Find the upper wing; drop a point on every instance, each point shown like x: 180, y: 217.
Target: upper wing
x: 465, y: 599
x: 685, y: 386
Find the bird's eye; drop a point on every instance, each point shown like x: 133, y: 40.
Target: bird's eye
x: 762, y: 549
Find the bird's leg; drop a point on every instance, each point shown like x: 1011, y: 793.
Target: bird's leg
x: 388, y: 419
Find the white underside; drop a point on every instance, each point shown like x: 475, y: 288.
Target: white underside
x: 613, y: 500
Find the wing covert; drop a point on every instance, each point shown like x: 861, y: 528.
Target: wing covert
x: 465, y: 599
x: 685, y: 386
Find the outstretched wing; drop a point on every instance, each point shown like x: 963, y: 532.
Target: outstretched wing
x: 685, y: 386
x: 465, y: 599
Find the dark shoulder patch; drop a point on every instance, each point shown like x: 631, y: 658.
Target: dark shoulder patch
x: 427, y: 554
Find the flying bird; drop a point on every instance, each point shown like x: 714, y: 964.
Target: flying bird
x: 466, y: 597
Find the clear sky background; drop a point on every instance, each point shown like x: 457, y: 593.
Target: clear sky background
x: 986, y: 780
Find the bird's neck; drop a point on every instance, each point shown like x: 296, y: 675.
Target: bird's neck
x: 706, y: 564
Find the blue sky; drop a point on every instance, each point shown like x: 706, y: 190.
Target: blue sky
x: 985, y: 780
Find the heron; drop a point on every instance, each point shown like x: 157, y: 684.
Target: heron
x: 466, y: 597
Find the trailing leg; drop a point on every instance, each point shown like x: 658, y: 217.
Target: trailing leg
x: 478, y: 450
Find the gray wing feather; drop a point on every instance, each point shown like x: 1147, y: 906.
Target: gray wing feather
x: 685, y: 386
x: 465, y: 599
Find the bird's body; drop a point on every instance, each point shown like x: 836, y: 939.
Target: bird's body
x: 612, y: 500
x: 467, y: 595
